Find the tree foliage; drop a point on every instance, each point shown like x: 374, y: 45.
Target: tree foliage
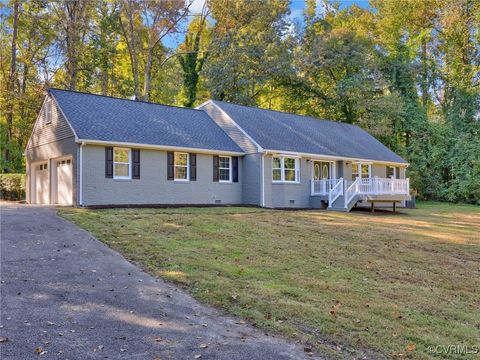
x: 408, y: 71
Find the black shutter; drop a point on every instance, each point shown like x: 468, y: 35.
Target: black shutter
x: 216, y: 169
x: 397, y: 173
x: 109, y: 162
x: 235, y: 168
x: 135, y: 163
x: 170, y: 166
x: 193, y: 166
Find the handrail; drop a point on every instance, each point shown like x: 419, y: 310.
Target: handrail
x: 335, y: 192
x: 349, y: 193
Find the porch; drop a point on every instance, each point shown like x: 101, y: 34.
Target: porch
x: 342, y: 195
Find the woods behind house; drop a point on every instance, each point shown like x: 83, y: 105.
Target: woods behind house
x: 407, y: 71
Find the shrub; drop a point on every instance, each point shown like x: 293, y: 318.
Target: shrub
x: 12, y: 186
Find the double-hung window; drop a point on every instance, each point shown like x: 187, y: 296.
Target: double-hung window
x: 180, y: 165
x: 391, y: 172
x: 360, y: 170
x: 122, y: 159
x: 225, y: 168
x: 285, y: 169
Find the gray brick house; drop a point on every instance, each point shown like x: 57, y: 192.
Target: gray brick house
x: 92, y: 150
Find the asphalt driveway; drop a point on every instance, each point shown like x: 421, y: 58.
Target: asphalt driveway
x: 65, y: 295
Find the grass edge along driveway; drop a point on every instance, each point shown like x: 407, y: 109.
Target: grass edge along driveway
x: 346, y: 283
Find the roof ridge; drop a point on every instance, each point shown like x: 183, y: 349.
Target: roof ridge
x: 286, y: 113
x: 124, y: 99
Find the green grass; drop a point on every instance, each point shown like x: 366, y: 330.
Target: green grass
x: 345, y: 283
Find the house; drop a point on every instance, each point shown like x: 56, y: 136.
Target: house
x: 93, y: 150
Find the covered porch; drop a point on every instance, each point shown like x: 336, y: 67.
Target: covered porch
x: 343, y: 184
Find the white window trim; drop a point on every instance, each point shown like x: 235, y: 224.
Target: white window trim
x: 282, y: 170
x: 129, y: 177
x: 229, y: 169
x: 394, y: 172
x: 175, y: 165
x: 360, y: 169
x: 47, y: 112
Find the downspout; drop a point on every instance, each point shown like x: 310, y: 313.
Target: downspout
x: 263, y: 180
x: 80, y: 175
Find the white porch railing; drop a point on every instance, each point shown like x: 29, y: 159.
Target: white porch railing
x: 350, y: 191
x: 382, y: 186
x: 370, y: 186
x: 335, y: 192
x: 323, y: 186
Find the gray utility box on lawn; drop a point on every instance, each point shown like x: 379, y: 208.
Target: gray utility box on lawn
x: 411, y: 204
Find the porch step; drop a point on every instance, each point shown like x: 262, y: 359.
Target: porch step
x: 338, y: 204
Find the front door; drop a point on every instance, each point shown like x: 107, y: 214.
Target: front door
x: 321, y: 170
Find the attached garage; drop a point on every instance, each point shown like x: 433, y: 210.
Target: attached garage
x: 40, y: 183
x: 54, y: 185
x: 62, y: 182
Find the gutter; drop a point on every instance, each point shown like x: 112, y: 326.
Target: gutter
x: 159, y: 147
x: 331, y: 157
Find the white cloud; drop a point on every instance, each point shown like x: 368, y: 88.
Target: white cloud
x: 197, y: 6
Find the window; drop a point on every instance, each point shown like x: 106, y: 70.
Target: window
x: 225, y: 168
x: 277, y: 169
x: 47, y: 112
x: 360, y: 170
x: 180, y: 165
x: 285, y: 169
x: 391, y: 172
x: 121, y: 163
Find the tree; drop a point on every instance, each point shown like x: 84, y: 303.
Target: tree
x: 12, y: 79
x: 72, y: 18
x: 148, y: 23
x: 247, y: 49
x: 192, y: 55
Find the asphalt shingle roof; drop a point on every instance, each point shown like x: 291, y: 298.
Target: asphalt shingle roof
x: 274, y: 130
x: 96, y: 117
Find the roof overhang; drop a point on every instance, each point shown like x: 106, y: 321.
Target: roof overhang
x: 331, y: 157
x: 158, y: 147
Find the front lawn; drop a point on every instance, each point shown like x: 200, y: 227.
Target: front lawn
x: 383, y: 284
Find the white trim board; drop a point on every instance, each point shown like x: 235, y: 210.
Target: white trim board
x: 159, y: 147
x: 330, y: 157
x: 259, y: 148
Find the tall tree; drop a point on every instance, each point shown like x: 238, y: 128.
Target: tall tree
x: 158, y: 19
x: 12, y: 79
x: 192, y: 55
x: 73, y: 19
x: 247, y: 48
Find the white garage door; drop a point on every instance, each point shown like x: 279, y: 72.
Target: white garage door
x: 40, y: 182
x: 64, y: 182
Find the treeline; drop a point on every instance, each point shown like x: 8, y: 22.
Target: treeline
x: 408, y: 71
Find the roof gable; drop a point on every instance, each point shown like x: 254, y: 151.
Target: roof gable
x: 275, y: 130
x: 103, y: 118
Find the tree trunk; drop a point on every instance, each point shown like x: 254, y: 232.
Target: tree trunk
x: 147, y: 82
x: 424, y: 84
x: 72, y: 41
x: 133, y: 50
x: 11, y: 80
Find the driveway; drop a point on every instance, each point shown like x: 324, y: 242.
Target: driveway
x: 65, y: 295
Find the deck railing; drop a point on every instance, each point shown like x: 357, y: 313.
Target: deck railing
x: 335, y: 192
x: 323, y: 186
x: 369, y: 186
x: 351, y: 189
